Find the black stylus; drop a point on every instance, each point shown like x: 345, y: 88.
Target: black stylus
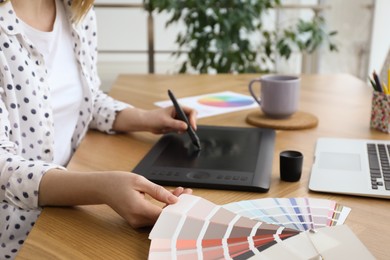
x: 182, y: 116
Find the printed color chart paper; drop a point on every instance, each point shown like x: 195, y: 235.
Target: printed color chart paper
x: 195, y: 228
x: 215, y: 103
x: 296, y: 213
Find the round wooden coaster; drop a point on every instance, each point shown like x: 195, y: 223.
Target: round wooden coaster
x: 299, y: 120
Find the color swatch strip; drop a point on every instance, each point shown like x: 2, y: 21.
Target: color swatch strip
x: 195, y: 228
x: 296, y: 213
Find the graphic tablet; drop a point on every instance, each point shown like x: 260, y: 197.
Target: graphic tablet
x: 233, y: 158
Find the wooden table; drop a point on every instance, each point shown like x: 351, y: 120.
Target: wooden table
x: 341, y: 102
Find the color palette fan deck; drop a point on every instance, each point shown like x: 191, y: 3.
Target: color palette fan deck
x: 295, y: 213
x: 195, y: 228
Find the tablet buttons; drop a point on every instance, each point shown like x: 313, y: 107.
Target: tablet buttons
x: 198, y: 175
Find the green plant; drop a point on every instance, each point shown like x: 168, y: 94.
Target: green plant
x: 218, y: 34
x: 305, y: 37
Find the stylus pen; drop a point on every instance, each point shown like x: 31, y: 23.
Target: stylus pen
x: 182, y: 116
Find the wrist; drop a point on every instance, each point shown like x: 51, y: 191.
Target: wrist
x: 61, y: 188
x: 130, y: 119
x: 110, y: 184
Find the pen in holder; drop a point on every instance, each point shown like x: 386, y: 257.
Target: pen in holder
x: 380, y: 111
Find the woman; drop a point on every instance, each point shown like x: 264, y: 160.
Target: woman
x: 49, y: 97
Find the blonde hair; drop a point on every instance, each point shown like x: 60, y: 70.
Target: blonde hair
x: 80, y: 8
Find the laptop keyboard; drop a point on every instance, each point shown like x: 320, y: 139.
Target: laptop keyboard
x: 378, y: 159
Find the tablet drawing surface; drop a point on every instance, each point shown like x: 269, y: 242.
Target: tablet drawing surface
x: 231, y: 158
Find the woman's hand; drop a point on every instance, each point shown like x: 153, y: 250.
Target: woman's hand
x: 166, y: 120
x: 122, y: 191
x: 126, y: 195
x: 158, y: 121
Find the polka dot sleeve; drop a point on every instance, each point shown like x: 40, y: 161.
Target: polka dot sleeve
x: 19, y: 178
x: 104, y: 112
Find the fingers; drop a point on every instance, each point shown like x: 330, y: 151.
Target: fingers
x: 191, y: 114
x: 177, y: 125
x: 187, y: 191
x: 173, y: 123
x: 158, y: 192
x: 155, y: 191
x: 128, y: 198
x: 180, y: 190
x: 152, y: 212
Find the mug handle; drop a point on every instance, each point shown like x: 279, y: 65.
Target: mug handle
x: 250, y: 87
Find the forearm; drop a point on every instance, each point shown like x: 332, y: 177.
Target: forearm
x: 130, y: 119
x: 60, y: 188
x: 157, y: 121
x: 124, y: 192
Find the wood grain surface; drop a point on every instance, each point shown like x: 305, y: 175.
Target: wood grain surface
x: 340, y: 102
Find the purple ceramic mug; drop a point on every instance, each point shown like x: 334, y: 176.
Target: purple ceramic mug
x: 279, y: 95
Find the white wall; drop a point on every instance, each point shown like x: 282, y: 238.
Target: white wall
x: 380, y: 42
x: 125, y: 30
x: 352, y: 19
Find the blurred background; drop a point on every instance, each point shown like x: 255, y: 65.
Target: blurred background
x: 133, y: 40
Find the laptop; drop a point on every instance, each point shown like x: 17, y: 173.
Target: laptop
x: 351, y: 166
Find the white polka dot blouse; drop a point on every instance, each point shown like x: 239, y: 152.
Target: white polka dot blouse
x: 26, y: 119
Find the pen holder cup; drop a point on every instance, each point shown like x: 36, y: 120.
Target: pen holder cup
x: 380, y: 112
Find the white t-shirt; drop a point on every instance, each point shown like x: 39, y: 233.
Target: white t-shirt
x: 64, y: 80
